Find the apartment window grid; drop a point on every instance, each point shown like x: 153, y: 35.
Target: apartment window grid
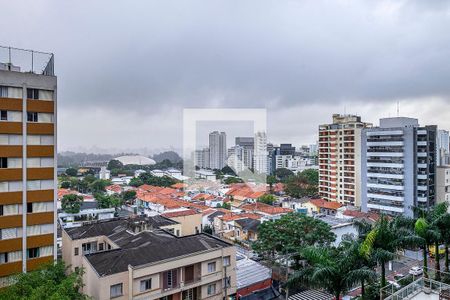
x: 146, y: 284
x: 211, y: 267
x: 211, y: 289
x: 116, y: 290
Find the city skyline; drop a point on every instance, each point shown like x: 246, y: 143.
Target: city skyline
x: 306, y: 75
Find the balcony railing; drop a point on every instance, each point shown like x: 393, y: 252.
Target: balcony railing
x: 26, y: 61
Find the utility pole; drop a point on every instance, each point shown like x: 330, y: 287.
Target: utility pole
x: 225, y: 281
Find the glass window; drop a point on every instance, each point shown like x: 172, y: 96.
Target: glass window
x: 14, y: 139
x: 33, y: 253
x: 3, y: 91
x: 211, y: 267
x: 14, y: 162
x: 226, y: 261
x: 33, y: 139
x: 211, y: 289
x: 116, y: 290
x: 32, y: 116
x: 33, y: 94
x: 45, y: 118
x: 33, y: 162
x: 47, y: 184
x: 3, y: 162
x: 15, y: 186
x: 3, y: 115
x: 46, y: 251
x: 76, y: 251
x: 146, y: 285
x: 45, y: 95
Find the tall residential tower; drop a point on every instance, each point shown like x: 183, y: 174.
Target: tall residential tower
x: 28, y: 164
x: 340, y: 159
x: 398, y: 166
x: 217, y: 150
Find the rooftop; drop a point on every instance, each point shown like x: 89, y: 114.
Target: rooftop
x: 249, y: 224
x: 26, y: 61
x: 114, y: 226
x: 148, y: 247
x: 249, y: 272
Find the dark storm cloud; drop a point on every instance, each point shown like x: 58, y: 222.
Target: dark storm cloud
x: 145, y: 57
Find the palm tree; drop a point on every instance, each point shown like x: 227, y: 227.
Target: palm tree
x: 444, y: 225
x: 429, y: 228
x: 386, y: 238
x: 331, y: 268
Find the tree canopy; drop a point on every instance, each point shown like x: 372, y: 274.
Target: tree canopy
x: 291, y: 233
x: 303, y: 184
x: 71, y: 172
x: 267, y: 199
x: 49, y: 282
x: 71, y: 203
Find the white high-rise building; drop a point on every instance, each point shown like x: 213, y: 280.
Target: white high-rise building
x: 239, y: 158
x: 202, y: 158
x: 442, y: 148
x: 217, y: 150
x: 260, y: 153
x: 398, y: 166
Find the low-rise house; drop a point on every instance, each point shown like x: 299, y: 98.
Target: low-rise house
x: 113, y: 189
x: 209, y: 215
x: 340, y: 227
x: 133, y: 261
x: 268, y: 212
x: 321, y: 206
x: 189, y: 219
x: 246, y: 230
x: 225, y: 223
x: 89, y: 211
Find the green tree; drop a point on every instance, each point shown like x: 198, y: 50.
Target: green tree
x: 71, y: 203
x: 208, y: 229
x: 136, y: 182
x: 71, y: 172
x: 65, y: 185
x: 331, y: 268
x: 99, y: 185
x: 231, y: 180
x: 271, y: 180
x: 128, y: 195
x: 164, y: 181
x: 385, y: 239
x: 49, y: 282
x: 283, y: 174
x: 114, y: 164
x: 267, y: 199
x: 311, y: 175
x: 106, y: 201
x: 291, y: 233
x: 300, y: 185
x: 444, y: 224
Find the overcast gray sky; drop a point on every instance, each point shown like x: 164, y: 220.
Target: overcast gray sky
x: 126, y: 69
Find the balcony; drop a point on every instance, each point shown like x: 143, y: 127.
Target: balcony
x: 421, y: 289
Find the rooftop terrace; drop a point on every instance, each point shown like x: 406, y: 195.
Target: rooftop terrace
x: 26, y: 61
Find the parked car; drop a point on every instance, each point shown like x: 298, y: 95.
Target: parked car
x: 416, y: 271
x: 395, y: 284
x: 398, y: 276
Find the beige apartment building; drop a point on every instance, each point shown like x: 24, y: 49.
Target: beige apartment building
x: 340, y: 159
x: 141, y: 258
x: 27, y: 163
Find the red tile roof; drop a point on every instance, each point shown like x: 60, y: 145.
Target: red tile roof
x: 181, y: 213
x: 265, y: 208
x: 321, y: 203
x: 235, y: 216
x: 244, y: 191
x: 179, y: 185
x: 114, y: 188
x: 63, y: 192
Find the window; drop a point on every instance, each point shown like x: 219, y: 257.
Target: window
x: 116, y: 290
x: 1, y: 210
x: 3, y: 115
x: 3, y: 162
x: 33, y: 94
x: 3, y: 258
x: 32, y: 116
x: 211, y: 289
x: 89, y: 247
x: 101, y: 246
x: 146, y: 285
x: 29, y: 208
x: 33, y: 253
x: 211, y: 267
x: 75, y: 251
x: 3, y: 91
x: 226, y: 261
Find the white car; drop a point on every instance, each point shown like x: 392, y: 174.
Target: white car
x: 416, y: 271
x: 395, y: 284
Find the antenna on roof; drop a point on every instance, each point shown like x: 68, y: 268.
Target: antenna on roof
x: 398, y: 108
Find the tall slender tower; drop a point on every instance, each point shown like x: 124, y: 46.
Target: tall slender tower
x: 260, y: 153
x: 217, y: 149
x: 340, y: 159
x: 28, y: 163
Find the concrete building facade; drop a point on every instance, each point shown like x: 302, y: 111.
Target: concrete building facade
x: 217, y: 150
x: 27, y: 168
x: 443, y: 184
x: 398, y: 166
x: 340, y: 159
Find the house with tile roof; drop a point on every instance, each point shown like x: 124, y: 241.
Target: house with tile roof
x: 321, y: 206
x: 269, y: 212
